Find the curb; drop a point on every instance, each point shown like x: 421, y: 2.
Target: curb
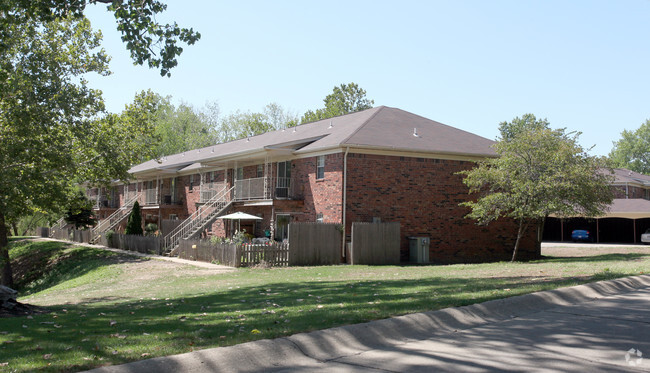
x: 308, y: 349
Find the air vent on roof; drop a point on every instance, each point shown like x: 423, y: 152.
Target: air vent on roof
x: 331, y: 126
x: 415, y: 132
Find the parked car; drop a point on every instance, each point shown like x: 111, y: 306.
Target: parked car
x: 582, y: 235
x: 645, y: 238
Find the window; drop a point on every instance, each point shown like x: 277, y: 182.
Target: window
x: 191, y: 182
x: 212, y: 176
x: 319, y: 218
x: 260, y: 170
x: 173, y: 217
x: 240, y: 173
x: 320, y: 167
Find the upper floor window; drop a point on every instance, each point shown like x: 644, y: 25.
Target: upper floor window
x: 320, y: 167
x: 212, y: 176
x: 319, y: 218
x: 191, y: 182
x: 260, y: 170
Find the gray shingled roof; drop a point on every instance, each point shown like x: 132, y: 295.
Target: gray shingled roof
x: 381, y: 128
x: 623, y: 175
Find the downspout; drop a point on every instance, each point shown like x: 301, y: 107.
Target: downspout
x: 345, y: 187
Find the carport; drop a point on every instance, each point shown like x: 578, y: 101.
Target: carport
x: 625, y: 221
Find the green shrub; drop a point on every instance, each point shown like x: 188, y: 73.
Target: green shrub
x: 109, y: 238
x: 134, y: 224
x: 151, y: 229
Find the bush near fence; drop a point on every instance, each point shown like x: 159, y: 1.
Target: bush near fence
x: 133, y: 242
x: 235, y: 255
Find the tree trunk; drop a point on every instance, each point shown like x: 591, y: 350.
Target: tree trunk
x: 540, y: 235
x: 15, y: 227
x: 520, y: 234
x: 7, y: 277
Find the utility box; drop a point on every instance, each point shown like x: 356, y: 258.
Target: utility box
x: 419, y: 249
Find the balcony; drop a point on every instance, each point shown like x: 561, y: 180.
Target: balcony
x: 261, y: 188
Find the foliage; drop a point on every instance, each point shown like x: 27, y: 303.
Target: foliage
x: 345, y: 99
x: 80, y: 212
x: 632, y: 151
x: 134, y: 223
x: 109, y: 237
x: 182, y: 128
x: 243, y: 124
x: 539, y: 172
x: 27, y: 225
x: 194, y: 309
x: 151, y: 229
x: 147, y: 40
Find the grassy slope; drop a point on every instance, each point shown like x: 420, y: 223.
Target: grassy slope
x: 111, y: 310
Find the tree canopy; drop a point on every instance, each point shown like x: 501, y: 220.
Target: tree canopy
x: 344, y: 99
x: 632, y: 151
x: 54, y: 133
x: 147, y: 40
x: 539, y: 171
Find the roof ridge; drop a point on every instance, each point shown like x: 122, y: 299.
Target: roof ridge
x: 380, y: 108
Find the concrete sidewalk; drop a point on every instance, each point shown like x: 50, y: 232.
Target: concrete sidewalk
x: 599, y: 327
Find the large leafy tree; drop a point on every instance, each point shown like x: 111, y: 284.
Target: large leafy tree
x: 539, y: 171
x: 242, y: 124
x: 182, y: 127
x: 344, y: 99
x: 53, y: 132
x: 147, y: 40
x: 632, y: 151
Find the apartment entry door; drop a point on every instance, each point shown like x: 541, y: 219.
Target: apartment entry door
x: 282, y: 227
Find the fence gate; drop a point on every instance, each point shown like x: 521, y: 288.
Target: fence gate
x: 314, y: 244
x: 375, y: 243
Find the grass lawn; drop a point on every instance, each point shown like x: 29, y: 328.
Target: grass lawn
x: 112, y: 309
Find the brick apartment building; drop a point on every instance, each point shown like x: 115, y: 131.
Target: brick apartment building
x: 378, y: 165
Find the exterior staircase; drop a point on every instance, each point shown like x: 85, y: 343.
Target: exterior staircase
x: 59, y: 225
x: 200, y: 219
x: 113, y: 220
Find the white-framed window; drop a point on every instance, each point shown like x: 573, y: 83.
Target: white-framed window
x: 212, y: 176
x: 191, y: 182
x: 173, y: 217
x: 260, y: 170
x: 319, y: 217
x: 320, y: 167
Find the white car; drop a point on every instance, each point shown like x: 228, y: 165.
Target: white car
x: 645, y: 238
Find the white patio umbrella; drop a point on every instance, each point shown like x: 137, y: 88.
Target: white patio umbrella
x: 239, y: 216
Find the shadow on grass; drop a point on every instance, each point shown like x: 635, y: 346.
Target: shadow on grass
x: 39, y: 265
x: 89, y: 334
x: 594, y: 258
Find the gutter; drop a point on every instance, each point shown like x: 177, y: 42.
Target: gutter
x: 345, y: 187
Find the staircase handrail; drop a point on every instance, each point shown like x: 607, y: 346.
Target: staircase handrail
x: 197, y: 218
x: 114, y: 218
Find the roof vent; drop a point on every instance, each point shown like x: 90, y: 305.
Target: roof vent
x: 415, y: 132
x: 248, y: 139
x: 182, y: 155
x: 331, y: 126
x: 212, y: 150
x: 294, y: 129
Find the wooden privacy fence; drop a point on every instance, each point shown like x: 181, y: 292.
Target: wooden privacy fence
x: 314, y: 244
x: 75, y: 235
x: 132, y: 242
x: 375, y: 243
x: 235, y: 255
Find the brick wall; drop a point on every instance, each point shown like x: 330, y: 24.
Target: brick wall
x: 423, y: 195
x: 324, y: 195
x: 621, y: 191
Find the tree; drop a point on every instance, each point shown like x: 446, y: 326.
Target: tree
x: 80, y: 212
x: 134, y: 223
x: 632, y: 151
x: 182, y: 128
x: 53, y: 131
x: 345, y: 99
x: 540, y: 171
x: 146, y: 39
x: 243, y: 124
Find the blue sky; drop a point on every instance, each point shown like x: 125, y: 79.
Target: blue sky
x: 583, y: 65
